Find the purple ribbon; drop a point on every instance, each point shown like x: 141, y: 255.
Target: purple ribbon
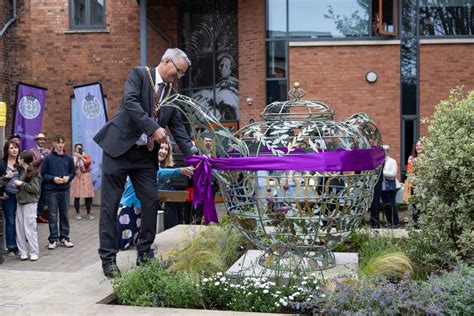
x: 334, y: 161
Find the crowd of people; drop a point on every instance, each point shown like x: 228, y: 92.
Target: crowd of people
x: 36, y: 179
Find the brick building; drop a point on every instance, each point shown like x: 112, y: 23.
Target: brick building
x: 247, y: 53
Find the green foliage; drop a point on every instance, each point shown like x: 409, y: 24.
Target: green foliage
x: 214, y: 249
x: 446, y: 294
x: 256, y: 294
x: 392, y: 265
x: 151, y: 285
x: 444, y: 187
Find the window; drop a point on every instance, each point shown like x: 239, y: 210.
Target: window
x: 209, y: 35
x: 87, y: 14
x: 384, y: 17
x: 328, y: 18
x: 446, y: 18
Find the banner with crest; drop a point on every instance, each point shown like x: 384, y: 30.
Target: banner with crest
x: 29, y: 102
x: 88, y: 115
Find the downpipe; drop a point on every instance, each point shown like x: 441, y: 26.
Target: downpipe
x: 11, y: 21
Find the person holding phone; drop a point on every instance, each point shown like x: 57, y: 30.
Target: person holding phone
x: 81, y: 185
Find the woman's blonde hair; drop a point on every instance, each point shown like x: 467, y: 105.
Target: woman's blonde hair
x: 168, y: 161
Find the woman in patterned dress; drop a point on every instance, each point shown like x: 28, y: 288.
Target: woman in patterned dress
x: 81, y: 185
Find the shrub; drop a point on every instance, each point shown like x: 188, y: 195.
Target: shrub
x: 214, y: 249
x: 391, y: 265
x: 257, y: 294
x: 151, y: 285
x: 449, y: 293
x: 444, y: 187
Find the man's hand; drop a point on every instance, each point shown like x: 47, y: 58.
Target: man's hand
x: 65, y: 179
x: 159, y: 136
x: 58, y: 180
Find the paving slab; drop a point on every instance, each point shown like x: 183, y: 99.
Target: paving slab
x: 70, y: 281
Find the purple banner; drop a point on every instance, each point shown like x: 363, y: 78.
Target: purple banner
x: 30, y: 102
x: 335, y: 161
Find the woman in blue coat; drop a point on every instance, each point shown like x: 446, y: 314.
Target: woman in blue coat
x: 129, y: 212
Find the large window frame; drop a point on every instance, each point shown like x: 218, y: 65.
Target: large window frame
x: 87, y: 25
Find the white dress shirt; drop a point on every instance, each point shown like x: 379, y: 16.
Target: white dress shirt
x: 158, y: 80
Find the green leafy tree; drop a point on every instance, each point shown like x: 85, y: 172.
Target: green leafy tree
x: 443, y: 186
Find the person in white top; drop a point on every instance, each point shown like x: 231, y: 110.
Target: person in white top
x: 389, y: 189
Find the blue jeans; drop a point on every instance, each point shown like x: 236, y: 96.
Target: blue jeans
x: 9, y: 209
x: 58, y: 200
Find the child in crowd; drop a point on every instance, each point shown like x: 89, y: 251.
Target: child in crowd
x: 57, y: 171
x: 29, y: 190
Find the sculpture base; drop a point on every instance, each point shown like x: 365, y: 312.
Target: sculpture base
x: 250, y: 265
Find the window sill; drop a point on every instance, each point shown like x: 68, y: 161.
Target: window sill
x: 98, y: 30
x: 346, y: 43
x: 446, y: 40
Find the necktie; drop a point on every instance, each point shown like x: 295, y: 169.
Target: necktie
x: 156, y: 106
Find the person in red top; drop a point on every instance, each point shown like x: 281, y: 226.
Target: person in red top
x: 81, y: 185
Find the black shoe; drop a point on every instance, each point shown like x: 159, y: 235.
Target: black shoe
x: 111, y: 270
x: 144, y: 257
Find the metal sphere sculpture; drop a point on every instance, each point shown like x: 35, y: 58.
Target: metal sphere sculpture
x: 292, y: 212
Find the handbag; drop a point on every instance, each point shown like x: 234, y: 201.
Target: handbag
x: 390, y: 185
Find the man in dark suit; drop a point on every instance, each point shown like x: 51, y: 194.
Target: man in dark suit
x: 131, y: 140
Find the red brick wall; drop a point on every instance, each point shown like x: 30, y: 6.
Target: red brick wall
x: 6, y: 14
x: 251, y: 24
x: 443, y: 67
x: 166, y: 19
x: 44, y: 55
x: 335, y: 75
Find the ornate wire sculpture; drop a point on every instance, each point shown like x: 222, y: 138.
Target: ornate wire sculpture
x: 291, y: 215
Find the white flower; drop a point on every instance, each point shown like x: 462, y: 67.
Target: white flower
x: 276, y: 304
x: 291, y: 298
x: 232, y: 285
x: 262, y: 286
x: 323, y: 295
x: 217, y: 283
x: 265, y: 291
x: 282, y: 301
x: 278, y: 292
x: 305, y: 278
x: 222, y: 279
x: 205, y: 280
x: 304, y: 283
x: 219, y: 273
x: 317, y: 288
x: 296, y: 294
x: 308, y: 299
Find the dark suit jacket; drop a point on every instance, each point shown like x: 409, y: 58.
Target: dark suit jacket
x: 134, y: 118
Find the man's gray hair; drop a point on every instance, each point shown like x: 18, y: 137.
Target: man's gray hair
x: 175, y: 54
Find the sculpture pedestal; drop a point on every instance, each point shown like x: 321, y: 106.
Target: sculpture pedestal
x: 347, y: 265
